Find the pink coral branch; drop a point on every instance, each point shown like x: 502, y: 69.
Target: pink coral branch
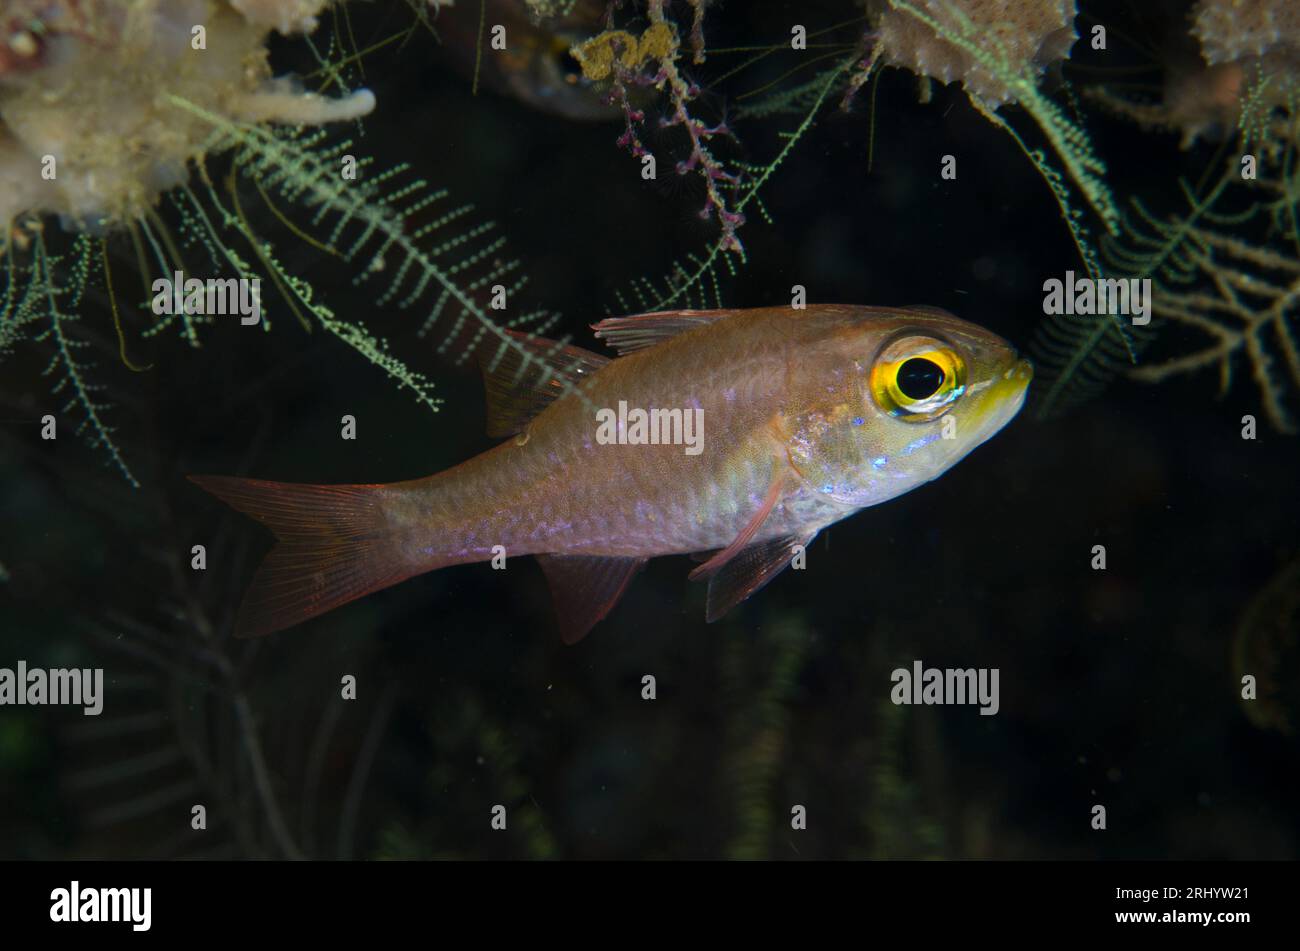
x: 680, y: 94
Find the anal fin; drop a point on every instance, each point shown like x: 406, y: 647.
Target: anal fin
x: 585, y: 588
x: 748, y: 571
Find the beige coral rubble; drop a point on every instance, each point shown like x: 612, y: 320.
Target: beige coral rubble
x: 1232, y: 30
x: 285, y: 16
x: 1030, y: 34
x: 92, y: 134
x: 1250, y: 50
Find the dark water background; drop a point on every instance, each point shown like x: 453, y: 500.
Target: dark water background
x: 1117, y: 686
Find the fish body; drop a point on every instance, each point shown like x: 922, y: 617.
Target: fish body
x: 772, y: 424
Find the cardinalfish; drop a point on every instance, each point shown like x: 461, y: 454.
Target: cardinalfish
x: 803, y: 418
x: 536, y: 66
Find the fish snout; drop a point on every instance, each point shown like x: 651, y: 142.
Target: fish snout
x: 1020, y: 371
x: 1010, y: 387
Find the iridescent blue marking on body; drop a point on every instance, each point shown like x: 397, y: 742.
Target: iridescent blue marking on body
x: 923, y: 440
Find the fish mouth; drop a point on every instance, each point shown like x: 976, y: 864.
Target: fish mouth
x: 1007, y: 394
x: 1014, y: 383
x: 1021, y: 371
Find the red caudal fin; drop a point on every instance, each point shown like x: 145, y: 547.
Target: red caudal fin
x: 335, y: 546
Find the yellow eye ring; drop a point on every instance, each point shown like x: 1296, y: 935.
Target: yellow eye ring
x: 917, y: 378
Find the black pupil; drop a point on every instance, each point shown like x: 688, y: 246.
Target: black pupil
x: 919, y: 378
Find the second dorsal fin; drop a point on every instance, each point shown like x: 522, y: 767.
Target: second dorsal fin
x: 517, y: 392
x: 629, y: 334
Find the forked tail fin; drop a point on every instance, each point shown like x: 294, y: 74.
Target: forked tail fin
x: 335, y: 546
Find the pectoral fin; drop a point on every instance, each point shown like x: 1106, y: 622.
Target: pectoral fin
x: 747, y: 572
x: 744, y: 566
x: 586, y: 588
x: 747, y: 533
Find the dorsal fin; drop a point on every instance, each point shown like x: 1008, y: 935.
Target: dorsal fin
x: 585, y: 588
x: 929, y: 310
x: 629, y: 334
x: 516, y: 393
